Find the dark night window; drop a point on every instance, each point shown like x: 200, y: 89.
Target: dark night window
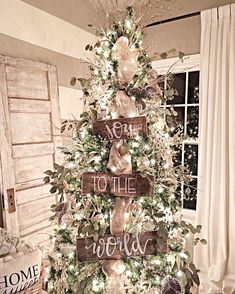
x: 186, y: 104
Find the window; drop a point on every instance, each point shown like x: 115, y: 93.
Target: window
x: 186, y: 104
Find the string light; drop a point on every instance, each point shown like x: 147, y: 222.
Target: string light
x: 99, y: 50
x: 129, y: 273
x: 160, y: 189
x: 157, y: 261
x: 128, y: 24
x: 179, y: 274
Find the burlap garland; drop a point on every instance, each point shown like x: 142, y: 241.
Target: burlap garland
x: 120, y: 158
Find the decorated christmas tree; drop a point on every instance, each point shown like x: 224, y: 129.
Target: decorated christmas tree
x: 117, y: 226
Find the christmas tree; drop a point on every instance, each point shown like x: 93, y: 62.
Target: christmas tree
x: 117, y: 226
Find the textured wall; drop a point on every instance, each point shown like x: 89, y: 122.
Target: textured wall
x: 28, y: 32
x: 182, y: 35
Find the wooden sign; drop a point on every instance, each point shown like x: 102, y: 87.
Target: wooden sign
x: 122, y: 128
x: 129, y: 185
x: 119, y: 246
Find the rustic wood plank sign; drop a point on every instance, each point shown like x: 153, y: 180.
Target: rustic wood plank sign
x: 129, y: 185
x: 122, y: 128
x: 119, y: 246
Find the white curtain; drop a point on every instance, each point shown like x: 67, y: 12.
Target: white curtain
x: 216, y: 200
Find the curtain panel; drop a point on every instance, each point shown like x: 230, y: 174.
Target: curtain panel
x: 216, y: 195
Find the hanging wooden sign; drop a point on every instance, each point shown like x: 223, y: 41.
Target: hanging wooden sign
x: 119, y: 246
x: 129, y: 185
x: 121, y: 128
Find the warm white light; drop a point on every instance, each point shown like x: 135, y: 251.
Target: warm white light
x: 71, y: 255
x: 166, y: 135
x: 126, y: 215
x: 160, y: 189
x: 83, y: 134
x: 106, y: 54
x: 172, y: 196
x: 96, y: 72
x: 146, y: 162
x: 97, y: 159
x: 128, y: 24
x: 168, y: 151
x: 136, y: 263
x: 157, y: 261
x: 183, y: 255
x: 179, y: 274
x: 129, y: 273
x: 166, y: 166
x: 121, y: 268
x: 135, y: 144
x: 99, y: 50
x: 152, y: 161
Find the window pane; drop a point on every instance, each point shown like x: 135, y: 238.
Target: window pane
x: 178, y: 155
x: 193, y: 87
x: 192, y: 121
x: 179, y: 84
x: 191, y: 158
x: 179, y: 120
x: 190, y: 195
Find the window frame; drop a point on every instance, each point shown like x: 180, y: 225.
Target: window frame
x: 190, y: 63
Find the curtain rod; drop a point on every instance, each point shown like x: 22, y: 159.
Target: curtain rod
x: 173, y: 19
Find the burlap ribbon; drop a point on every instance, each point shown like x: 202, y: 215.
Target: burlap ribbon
x: 120, y: 158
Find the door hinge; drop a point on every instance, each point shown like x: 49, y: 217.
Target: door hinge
x: 11, y: 200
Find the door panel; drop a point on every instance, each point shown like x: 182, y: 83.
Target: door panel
x: 30, y: 125
x: 24, y: 82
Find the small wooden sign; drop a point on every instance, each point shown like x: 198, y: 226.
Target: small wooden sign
x: 129, y: 185
x: 119, y: 246
x: 122, y: 128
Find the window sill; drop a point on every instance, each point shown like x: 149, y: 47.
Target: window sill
x: 189, y: 216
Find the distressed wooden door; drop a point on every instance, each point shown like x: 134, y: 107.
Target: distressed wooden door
x: 29, y: 137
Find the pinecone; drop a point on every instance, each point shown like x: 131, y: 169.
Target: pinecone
x: 170, y: 286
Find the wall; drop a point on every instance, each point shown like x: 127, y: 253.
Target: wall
x: 27, y: 32
x: 182, y: 35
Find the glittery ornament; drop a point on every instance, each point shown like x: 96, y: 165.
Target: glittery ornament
x: 170, y: 286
